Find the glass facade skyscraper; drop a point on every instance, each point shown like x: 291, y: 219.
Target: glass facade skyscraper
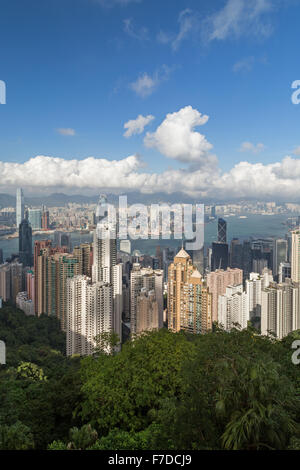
x: 222, y: 231
x: 19, y: 207
x: 35, y: 218
x: 25, y: 243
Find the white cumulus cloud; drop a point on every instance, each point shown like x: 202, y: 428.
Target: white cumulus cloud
x: 137, y: 126
x: 146, y: 84
x: 252, y: 148
x: 279, y: 180
x: 176, y: 137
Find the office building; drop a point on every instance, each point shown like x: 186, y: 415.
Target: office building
x: 236, y: 254
x: 219, y: 257
x: 295, y: 260
x: 259, y: 265
x: 222, y: 231
x: 25, y: 243
x: 279, y: 255
x: 35, y: 218
x: 20, y: 208
x: 45, y: 219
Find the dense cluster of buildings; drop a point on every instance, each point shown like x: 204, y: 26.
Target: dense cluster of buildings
x: 102, y: 287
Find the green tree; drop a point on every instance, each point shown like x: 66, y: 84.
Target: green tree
x: 120, y: 391
x: 16, y: 437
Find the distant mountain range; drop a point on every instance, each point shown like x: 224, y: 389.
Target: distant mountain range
x: 61, y: 199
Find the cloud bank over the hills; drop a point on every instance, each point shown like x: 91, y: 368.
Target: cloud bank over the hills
x: 175, y: 138
x: 276, y: 180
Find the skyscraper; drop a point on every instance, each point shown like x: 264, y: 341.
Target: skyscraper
x: 236, y: 254
x: 149, y: 280
x: 284, y: 272
x: 62, y: 240
x: 280, y: 309
x: 104, y: 252
x: 83, y: 253
x: 25, y: 243
x: 189, y: 300
x: 217, y: 282
x: 16, y: 279
x: 254, y: 287
x: 45, y: 219
x: 89, y: 314
x: 219, y: 257
x: 5, y: 284
x: 247, y: 258
x: 146, y: 311
x: 19, y: 207
x: 35, y: 218
x: 279, y: 255
x: 40, y: 247
x: 233, y: 307
x: 295, y: 262
x: 57, y: 269
x: 106, y: 270
x: 222, y: 231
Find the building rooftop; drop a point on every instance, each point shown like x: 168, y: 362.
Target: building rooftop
x: 182, y: 254
x: 196, y: 274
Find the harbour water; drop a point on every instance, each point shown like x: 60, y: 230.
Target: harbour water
x: 256, y: 226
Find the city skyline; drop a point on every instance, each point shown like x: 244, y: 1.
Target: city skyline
x: 149, y: 228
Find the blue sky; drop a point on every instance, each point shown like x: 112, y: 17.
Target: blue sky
x: 77, y: 70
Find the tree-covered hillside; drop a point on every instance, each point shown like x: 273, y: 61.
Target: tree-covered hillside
x: 221, y: 390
